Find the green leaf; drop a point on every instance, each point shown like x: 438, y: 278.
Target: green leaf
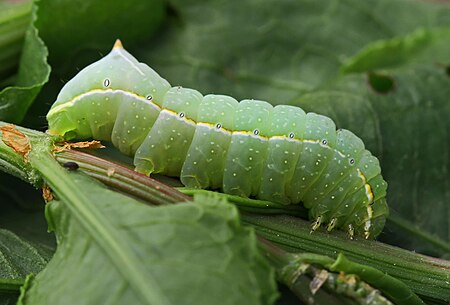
x: 18, y: 258
x: 32, y: 75
x: 423, y: 46
x: 79, y: 32
x: 284, y: 52
x: 70, y: 27
x: 14, y: 20
x: 408, y: 130
x: 183, y: 254
x: 277, y: 49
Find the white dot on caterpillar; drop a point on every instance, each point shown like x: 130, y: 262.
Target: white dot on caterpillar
x: 234, y: 174
x: 250, y: 158
x: 137, y: 116
x: 106, y: 82
x: 212, y: 151
x: 285, y: 162
x: 128, y: 131
x: 195, y: 162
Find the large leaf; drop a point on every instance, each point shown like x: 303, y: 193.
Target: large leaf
x: 66, y: 28
x: 409, y: 130
x: 423, y: 46
x: 14, y: 20
x: 32, y: 75
x: 183, y: 254
x: 273, y: 50
x: 18, y: 258
x: 280, y: 50
x: 71, y: 27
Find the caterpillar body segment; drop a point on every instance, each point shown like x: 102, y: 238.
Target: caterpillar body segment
x: 166, y: 144
x: 247, y: 148
x: 206, y: 159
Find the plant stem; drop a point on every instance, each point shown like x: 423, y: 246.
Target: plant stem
x: 10, y: 285
x: 428, y: 277
x: 123, y: 179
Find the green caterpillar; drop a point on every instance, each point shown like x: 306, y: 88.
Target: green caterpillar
x: 248, y: 148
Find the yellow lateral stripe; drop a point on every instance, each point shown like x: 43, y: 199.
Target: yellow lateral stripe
x: 190, y: 121
x: 367, y: 187
x: 77, y: 98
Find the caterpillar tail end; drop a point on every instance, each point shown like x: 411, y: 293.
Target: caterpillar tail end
x: 117, y: 45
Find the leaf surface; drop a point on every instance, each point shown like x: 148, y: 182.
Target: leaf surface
x: 182, y: 254
x: 292, y: 53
